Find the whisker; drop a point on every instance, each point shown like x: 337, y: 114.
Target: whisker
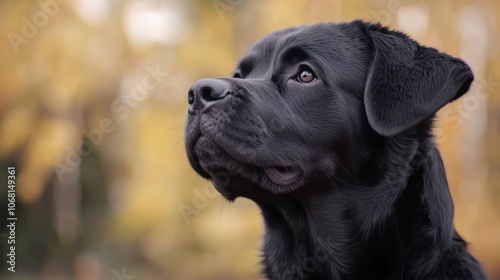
x: 334, y: 185
x: 176, y: 143
x: 182, y: 115
x: 222, y: 204
x: 344, y: 182
x: 181, y: 126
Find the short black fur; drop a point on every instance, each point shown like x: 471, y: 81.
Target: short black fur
x: 343, y: 168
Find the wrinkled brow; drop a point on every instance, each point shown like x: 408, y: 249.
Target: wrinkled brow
x: 293, y: 55
x: 246, y: 65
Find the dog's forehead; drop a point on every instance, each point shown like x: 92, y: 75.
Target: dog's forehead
x: 323, y: 38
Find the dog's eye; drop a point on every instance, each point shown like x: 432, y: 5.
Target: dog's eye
x: 306, y: 77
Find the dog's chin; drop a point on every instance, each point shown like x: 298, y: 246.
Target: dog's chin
x: 234, y: 176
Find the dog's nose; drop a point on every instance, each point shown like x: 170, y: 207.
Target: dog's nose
x: 206, y: 91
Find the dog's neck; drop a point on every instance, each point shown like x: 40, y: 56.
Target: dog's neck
x: 324, y: 231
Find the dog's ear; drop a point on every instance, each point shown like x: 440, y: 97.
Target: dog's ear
x: 407, y: 82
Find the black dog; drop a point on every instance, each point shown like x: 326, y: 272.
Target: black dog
x: 327, y: 128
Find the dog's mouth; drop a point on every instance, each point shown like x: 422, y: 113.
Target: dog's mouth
x: 210, y: 159
x: 282, y: 175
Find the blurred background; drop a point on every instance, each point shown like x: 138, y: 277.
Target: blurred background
x: 93, y: 98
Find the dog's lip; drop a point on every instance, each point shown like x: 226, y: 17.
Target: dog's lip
x: 279, y: 175
x: 194, y: 159
x: 282, y: 175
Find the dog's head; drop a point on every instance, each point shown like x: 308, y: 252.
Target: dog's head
x: 313, y: 101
